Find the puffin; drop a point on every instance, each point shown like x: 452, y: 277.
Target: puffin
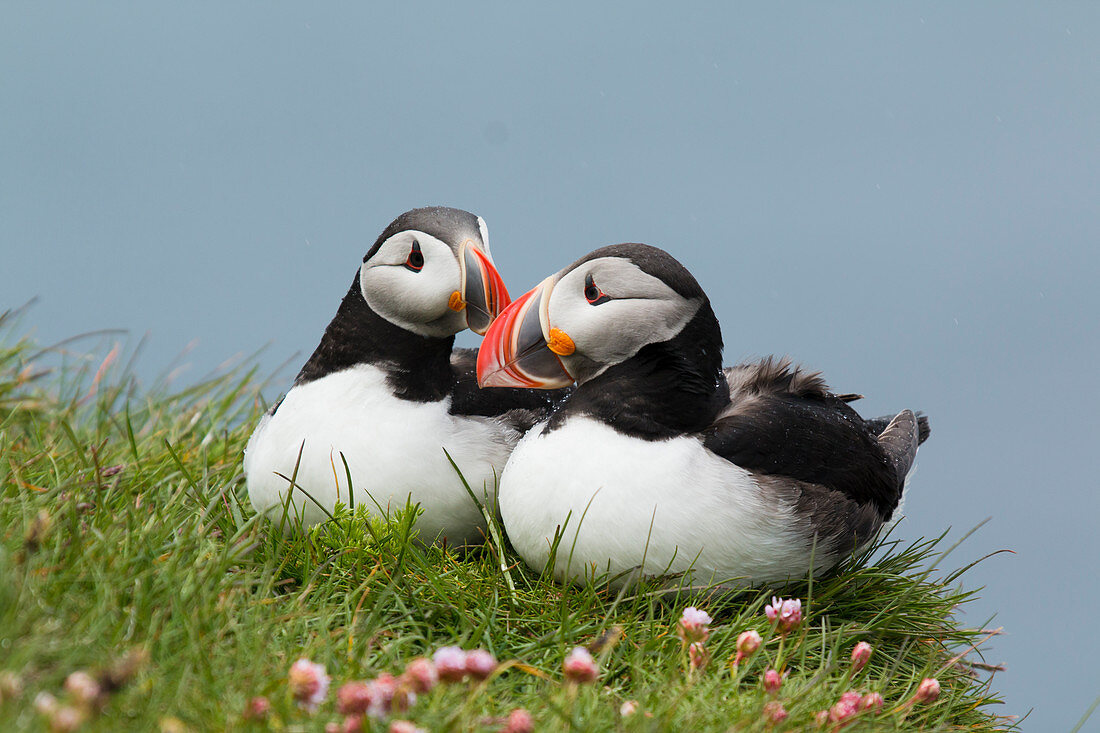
x: 386, y: 393
x: 662, y: 462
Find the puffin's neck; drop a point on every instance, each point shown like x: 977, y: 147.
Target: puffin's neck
x: 666, y: 389
x: 417, y: 367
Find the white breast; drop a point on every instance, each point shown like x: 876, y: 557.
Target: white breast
x: 393, y: 447
x: 625, y: 503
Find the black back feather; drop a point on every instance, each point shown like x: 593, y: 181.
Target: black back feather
x: 783, y: 421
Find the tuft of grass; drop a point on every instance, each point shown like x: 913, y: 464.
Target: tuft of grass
x: 126, y: 534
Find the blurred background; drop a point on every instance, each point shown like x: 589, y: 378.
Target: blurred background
x: 905, y: 197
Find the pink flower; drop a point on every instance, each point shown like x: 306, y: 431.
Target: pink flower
x: 404, y: 726
x: 845, y: 708
x: 579, y: 666
x: 450, y: 663
x: 519, y: 721
x: 308, y: 683
x: 628, y: 708
x: 480, y: 663
x: 786, y: 614
x: 872, y: 700
x: 821, y: 717
x: 352, y: 724
x: 383, y: 691
x: 83, y: 687
x: 774, y: 712
x: 45, y: 704
x: 928, y: 691
x: 421, y: 675
x: 698, y: 655
x: 354, y: 698
x: 747, y: 644
x: 11, y: 686
x: 258, y: 708
x: 773, y: 681
x: 693, y: 625
x: 66, y: 719
x: 861, y: 652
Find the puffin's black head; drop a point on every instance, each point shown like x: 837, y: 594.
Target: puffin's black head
x: 600, y: 311
x: 431, y: 272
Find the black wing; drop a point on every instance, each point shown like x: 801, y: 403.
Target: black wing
x: 521, y: 408
x: 784, y: 422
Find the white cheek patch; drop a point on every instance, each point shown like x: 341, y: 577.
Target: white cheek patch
x: 642, y: 310
x: 614, y: 331
x: 415, y: 301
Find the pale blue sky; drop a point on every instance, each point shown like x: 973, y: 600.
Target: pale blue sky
x: 905, y: 196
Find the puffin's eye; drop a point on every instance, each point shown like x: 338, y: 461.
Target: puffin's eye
x: 415, y: 261
x: 592, y: 292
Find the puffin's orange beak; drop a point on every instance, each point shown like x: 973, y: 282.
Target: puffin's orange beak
x: 483, y: 293
x: 520, y: 351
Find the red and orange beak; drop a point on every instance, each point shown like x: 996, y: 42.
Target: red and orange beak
x: 483, y: 293
x: 521, y: 350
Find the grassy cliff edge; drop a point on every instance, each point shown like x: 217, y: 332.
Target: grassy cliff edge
x: 128, y: 550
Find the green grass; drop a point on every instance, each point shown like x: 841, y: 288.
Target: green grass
x: 125, y: 529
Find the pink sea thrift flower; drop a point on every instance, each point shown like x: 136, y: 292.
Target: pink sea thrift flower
x: 11, y: 685
x: 773, y: 681
x: 352, y: 724
x: 872, y: 700
x: 747, y: 644
x: 421, y: 675
x: 698, y: 655
x: 354, y: 698
x: 928, y: 691
x: 258, y: 708
x: 861, y: 652
x: 85, y: 690
x: 450, y: 663
x: 519, y: 721
x: 774, y: 712
x: 845, y: 707
x: 66, y: 719
x: 384, y: 696
x: 785, y: 614
x: 821, y: 717
x: 45, y: 703
x: 628, y: 708
x: 579, y: 666
x: 694, y: 625
x: 308, y: 683
x: 480, y: 663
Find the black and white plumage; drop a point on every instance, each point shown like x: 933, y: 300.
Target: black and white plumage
x: 385, y: 389
x: 662, y: 459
